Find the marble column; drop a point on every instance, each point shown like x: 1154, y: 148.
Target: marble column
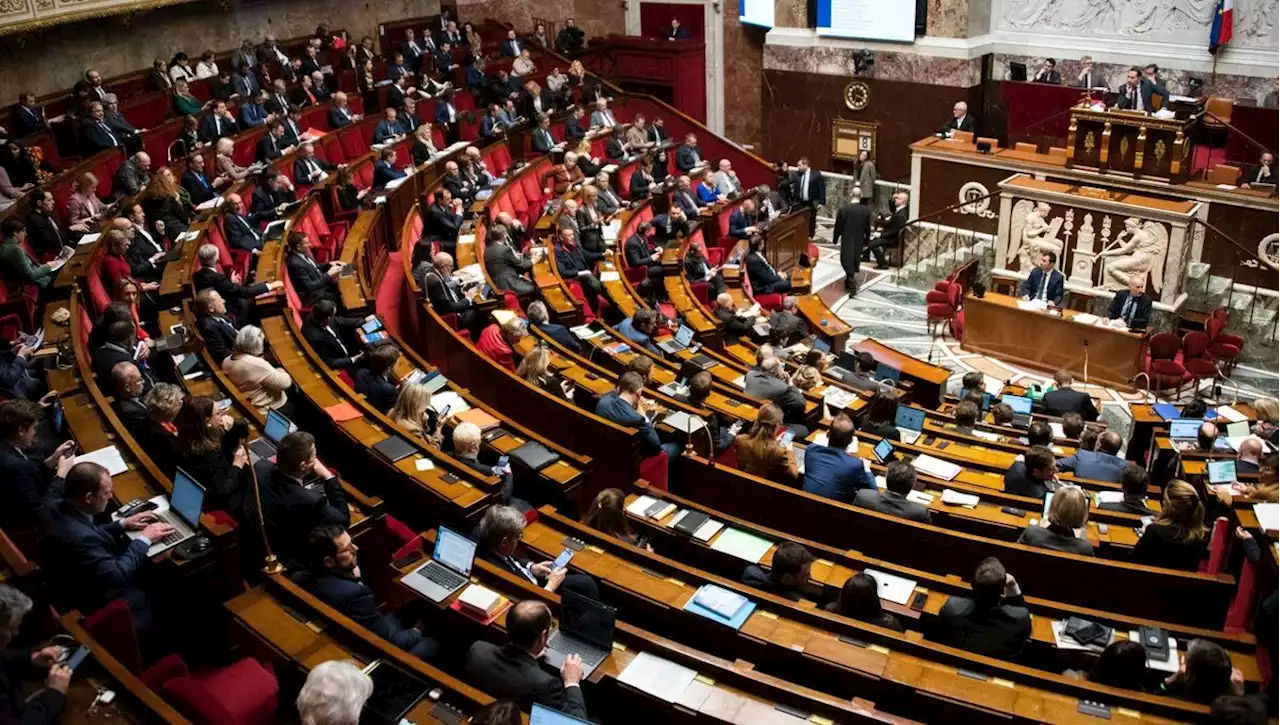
x: 948, y: 18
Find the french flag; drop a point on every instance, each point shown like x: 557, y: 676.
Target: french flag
x: 1220, y: 32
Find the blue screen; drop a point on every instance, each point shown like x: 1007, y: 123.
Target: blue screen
x: 884, y: 372
x: 1185, y: 428
x: 909, y: 418
x: 187, y: 497
x: 1021, y: 405
x: 546, y: 716
x: 277, y: 426
x: 883, y: 450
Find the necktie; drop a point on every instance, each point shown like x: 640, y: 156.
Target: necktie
x: 249, y: 226
x: 203, y: 183
x: 112, y: 136
x: 315, y: 169
x: 1127, y: 312
x: 517, y: 566
x: 1044, y: 287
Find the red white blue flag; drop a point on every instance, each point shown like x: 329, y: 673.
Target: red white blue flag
x: 1220, y: 32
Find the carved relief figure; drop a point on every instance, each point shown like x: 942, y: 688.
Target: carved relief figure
x: 1164, y: 20
x: 1033, y: 233
x: 1139, y: 249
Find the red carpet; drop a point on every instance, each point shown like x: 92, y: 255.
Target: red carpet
x: 390, y: 294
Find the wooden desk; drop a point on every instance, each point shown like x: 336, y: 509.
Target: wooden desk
x: 929, y: 380
x: 786, y: 239
x: 996, y: 326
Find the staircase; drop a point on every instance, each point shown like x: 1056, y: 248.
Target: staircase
x: 1251, y: 312
x: 930, y: 252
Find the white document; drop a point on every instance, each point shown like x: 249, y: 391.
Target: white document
x: 955, y: 498
x: 993, y: 383
x: 611, y: 230
x: 1227, y: 187
x: 934, y: 467
x: 1231, y: 414
x: 684, y: 422
x: 109, y: 458
x: 986, y: 436
x: 661, y: 678
x: 640, y: 505
x: 1085, y: 318
x: 1268, y: 515
x: 1062, y: 641
x: 1109, y: 497
x: 610, y: 276
x: 56, y: 264
x: 892, y: 588
x: 1032, y: 305
x: 395, y: 183
x: 920, y: 497
x: 584, y: 332
x: 882, y: 482
x: 719, y: 600
x: 1058, y: 432
x: 451, y: 400
x: 709, y: 528
x: 89, y: 239
x: 838, y: 397
x: 424, y: 464
x: 741, y: 381
x: 213, y: 203
x: 1169, y: 664
x: 909, y: 436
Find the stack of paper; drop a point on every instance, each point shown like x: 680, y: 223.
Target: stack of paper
x: 1268, y: 516
x: 640, y: 505
x: 838, y: 397
x: 1102, y: 497
x: 920, y: 497
x: 661, y: 678
x: 892, y: 588
x: 955, y: 498
x: 109, y: 458
x: 1231, y: 414
x: 610, y: 230
x: 447, y: 399
x: 709, y: 528
x: 986, y: 436
x: 479, y: 600
x: 719, y: 600
x: 1085, y: 318
x: 585, y: 332
x: 1058, y: 432
x: 747, y: 547
x: 882, y: 482
x: 610, y: 276
x: 213, y: 203
x: 931, y: 466
x: 89, y: 239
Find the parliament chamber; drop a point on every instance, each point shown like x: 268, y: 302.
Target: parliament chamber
x: 439, y: 385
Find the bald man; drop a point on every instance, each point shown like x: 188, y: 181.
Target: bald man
x: 960, y: 120
x: 1104, y: 464
x: 1250, y: 454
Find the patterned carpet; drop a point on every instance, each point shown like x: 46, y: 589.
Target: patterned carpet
x: 895, y: 316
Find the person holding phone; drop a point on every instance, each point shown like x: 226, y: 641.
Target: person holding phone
x: 46, y: 704
x: 499, y: 535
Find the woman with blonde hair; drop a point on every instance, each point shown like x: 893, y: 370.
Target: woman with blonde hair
x: 1068, y: 511
x: 184, y: 103
x: 166, y: 202
x: 523, y: 65
x: 588, y: 165
x: 129, y: 292
x: 84, y: 208
x: 759, y: 451
x: 1178, y: 539
x: 223, y: 164
x: 414, y: 413
x: 1268, y: 425
x: 807, y: 378
x: 535, y: 369
x: 424, y: 146
x: 264, y: 384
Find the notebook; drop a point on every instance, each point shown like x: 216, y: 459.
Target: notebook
x: 479, y: 417
x: 394, y: 448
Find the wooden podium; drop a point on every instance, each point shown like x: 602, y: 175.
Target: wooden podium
x: 786, y: 238
x: 1132, y: 143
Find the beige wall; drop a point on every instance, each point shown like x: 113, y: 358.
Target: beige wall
x: 54, y: 59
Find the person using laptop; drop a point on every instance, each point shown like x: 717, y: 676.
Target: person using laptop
x: 788, y: 574
x: 832, y: 472
x: 290, y: 507
x: 209, y: 450
x: 1206, y: 437
x: 966, y: 417
x: 1063, y: 399
x: 1249, y: 455
x: 1002, y: 414
x: 513, y: 669
x: 972, y: 381
x: 640, y: 328
x: 1133, y: 482
x: 1104, y: 464
x: 91, y: 564
x: 722, y: 435
x: 333, y: 575
x: 499, y: 535
x: 1034, y: 476
x: 900, y: 480
x: 881, y: 416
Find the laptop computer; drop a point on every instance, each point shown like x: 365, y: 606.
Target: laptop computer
x: 277, y: 427
x: 822, y: 345
x: 448, y: 569
x: 1021, y: 406
x: 586, y: 630
x: 1184, y: 429
x: 1222, y: 471
x: 683, y: 337
x: 180, y: 509
x: 395, y: 692
x: 542, y: 715
x: 884, y: 372
x: 909, y: 422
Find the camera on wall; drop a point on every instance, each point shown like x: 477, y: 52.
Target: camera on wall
x: 862, y: 61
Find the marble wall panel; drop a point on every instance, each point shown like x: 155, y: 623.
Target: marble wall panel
x: 743, y: 66
x: 1249, y: 89
x: 889, y: 66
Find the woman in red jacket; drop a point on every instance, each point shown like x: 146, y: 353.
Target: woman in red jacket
x: 497, y: 343
x: 114, y: 266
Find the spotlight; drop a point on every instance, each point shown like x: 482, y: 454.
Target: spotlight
x: 862, y: 61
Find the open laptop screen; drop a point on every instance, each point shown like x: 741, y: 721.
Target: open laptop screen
x: 684, y: 335
x: 1184, y: 428
x: 186, y: 498
x: 586, y: 618
x: 909, y: 418
x: 454, y: 551
x: 546, y: 716
x: 277, y: 426
x: 1222, y: 471
x: 884, y: 372
x: 1021, y: 404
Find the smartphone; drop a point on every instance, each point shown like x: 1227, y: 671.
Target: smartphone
x: 1013, y: 511
x: 563, y: 560
x: 223, y: 404
x: 407, y: 559
x: 786, y: 438
x: 77, y: 657
x: 503, y: 461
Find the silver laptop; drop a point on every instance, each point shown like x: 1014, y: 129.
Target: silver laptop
x: 277, y: 427
x: 180, y: 509
x: 586, y: 630
x: 449, y: 568
x: 1184, y: 429
x: 684, y: 336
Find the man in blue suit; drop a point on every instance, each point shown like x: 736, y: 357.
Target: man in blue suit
x: 1044, y: 282
x: 744, y: 220
x: 388, y: 128
x: 1103, y: 464
x: 335, y: 579
x: 340, y: 114
x: 621, y: 406
x: 640, y: 328
x: 683, y: 197
x: 830, y: 471
x: 1132, y: 305
x: 97, y: 133
x: 687, y: 156
x: 91, y: 564
x: 539, y: 318
x: 254, y: 113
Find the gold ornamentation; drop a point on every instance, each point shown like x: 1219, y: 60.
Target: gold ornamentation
x: 1089, y: 143
x: 48, y: 14
x: 1124, y: 147
x: 1160, y: 149
x: 857, y: 95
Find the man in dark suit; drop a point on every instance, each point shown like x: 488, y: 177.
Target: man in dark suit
x: 852, y: 227
x: 641, y: 252
x: 676, y: 31
x: 1133, y: 482
x: 332, y: 337
x: 498, y: 536
x: 788, y: 573
x: 120, y: 346
x: 507, y: 267
x: 764, y: 278
x: 197, y: 183
x: 447, y: 116
x: 241, y: 226
x: 308, y: 168
x: 1250, y: 454
x: 312, y: 280
x: 290, y: 510
x: 97, y: 133
x: 311, y: 61
x: 744, y: 221
x: 830, y: 471
x: 272, y: 193
x: 1135, y: 94
x: 218, y: 332
x: 810, y: 190
x: 960, y: 120
x: 1048, y: 73
x: 697, y: 268
x: 687, y: 156
x: 28, y: 118
x: 1104, y: 464
x: 512, y: 46
x: 995, y: 622
x: 573, y: 130
x: 89, y: 564
x: 1063, y: 399
x: 1045, y: 282
x: 1262, y: 172
x: 333, y: 574
x: 278, y: 100
x: 683, y: 197
x: 127, y: 385
x: 1034, y: 476
x: 133, y: 175
x: 228, y: 288
x: 218, y: 123
x: 459, y: 186
x: 900, y: 479
x: 539, y: 318
x: 44, y: 233
x: 271, y: 145
x: 768, y: 380
x: 34, y: 485
x: 412, y: 50
x: 513, y: 670
x: 1132, y: 305
x: 253, y: 112
x: 340, y: 114
x: 785, y: 326
x: 445, y: 294
x: 444, y: 219
x: 735, y: 325
x: 622, y: 406
x: 541, y: 139
x: 1088, y: 77
x: 118, y: 123
x: 388, y: 128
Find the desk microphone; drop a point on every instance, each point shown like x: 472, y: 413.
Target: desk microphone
x: 1086, y: 361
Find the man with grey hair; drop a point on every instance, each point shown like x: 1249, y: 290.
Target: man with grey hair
x: 235, y: 294
x: 43, y: 705
x: 960, y: 120
x: 768, y: 380
x: 541, y: 319
x: 499, y: 536
x: 466, y: 448
x: 340, y: 113
x: 334, y: 694
x: 445, y: 293
x: 116, y: 121
x: 97, y: 135
x: 785, y: 325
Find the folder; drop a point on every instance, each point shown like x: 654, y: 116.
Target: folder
x: 482, y: 419
x: 343, y: 412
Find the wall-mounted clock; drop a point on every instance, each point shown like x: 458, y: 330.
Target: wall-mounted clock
x: 857, y: 95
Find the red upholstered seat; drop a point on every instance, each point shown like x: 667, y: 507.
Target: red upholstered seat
x: 112, y: 627
x: 654, y: 470
x: 1195, y: 358
x: 1164, y: 365
x: 241, y: 694
x: 1223, y: 346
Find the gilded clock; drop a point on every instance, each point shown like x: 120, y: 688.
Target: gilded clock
x: 857, y: 95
